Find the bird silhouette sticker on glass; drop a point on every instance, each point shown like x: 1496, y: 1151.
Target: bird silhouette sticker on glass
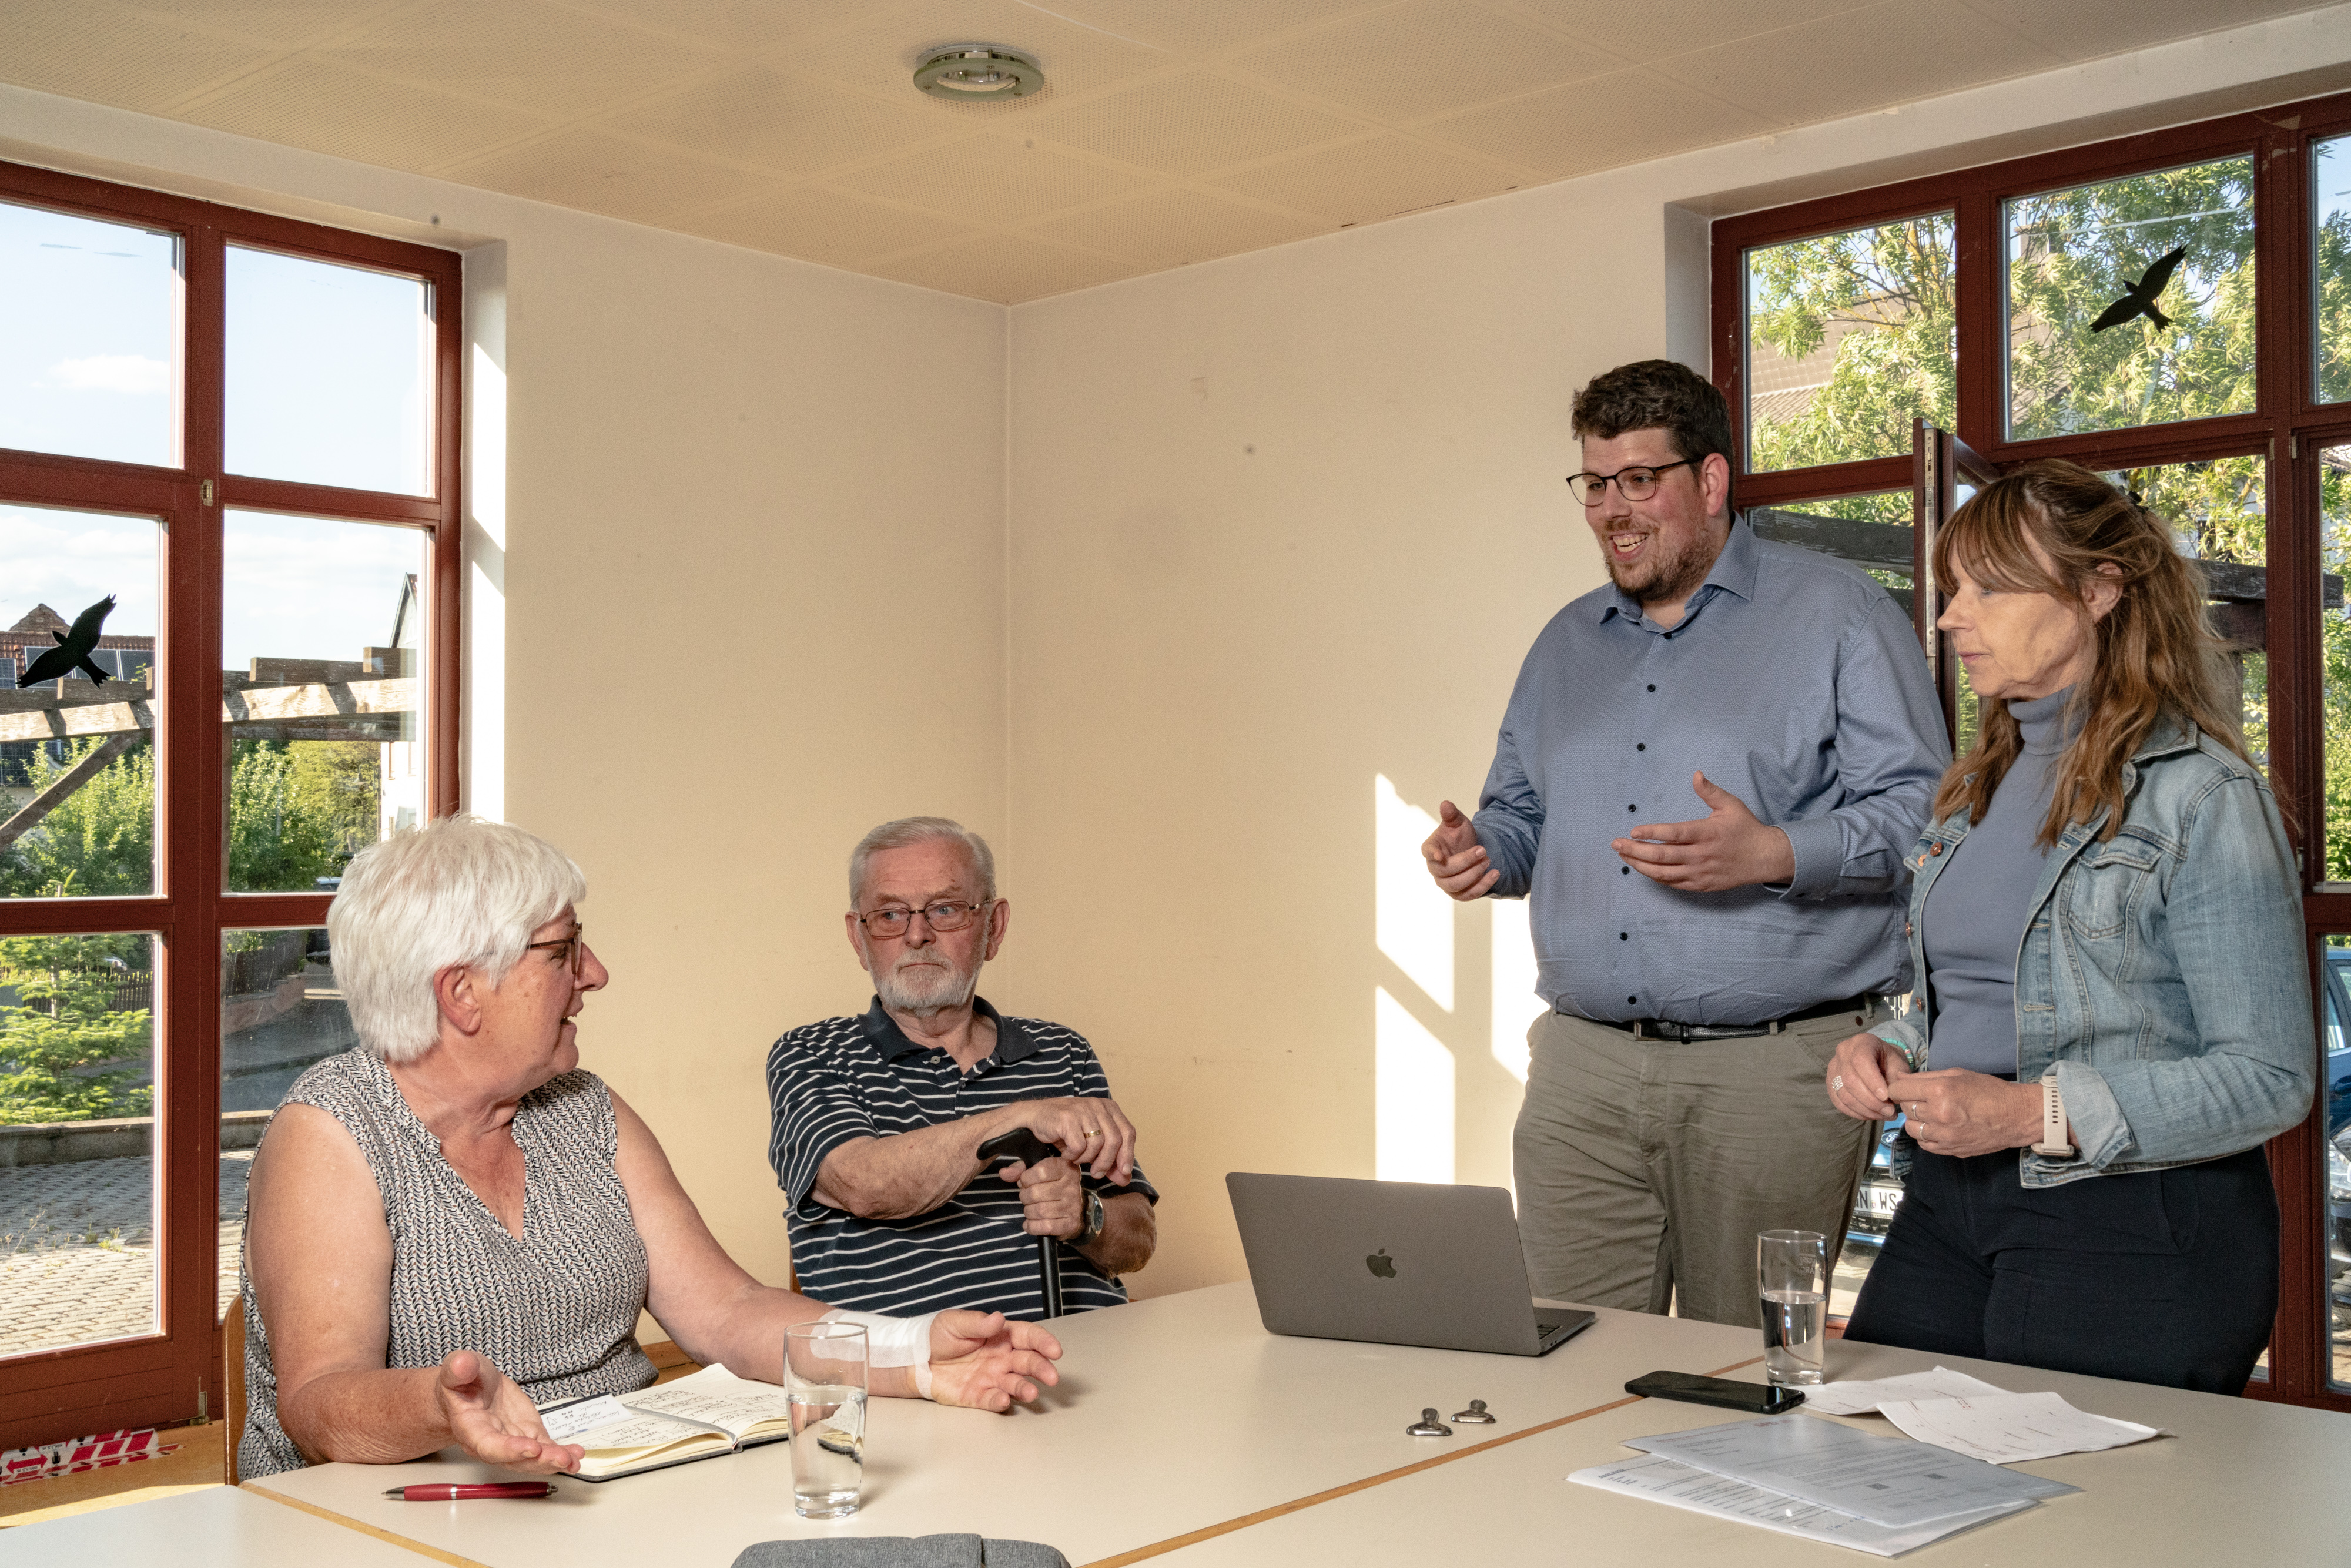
x: 74, y: 648
x: 2140, y: 301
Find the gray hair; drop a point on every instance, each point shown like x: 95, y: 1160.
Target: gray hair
x: 455, y: 891
x: 908, y: 832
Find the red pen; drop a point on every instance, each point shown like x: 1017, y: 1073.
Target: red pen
x: 445, y: 1491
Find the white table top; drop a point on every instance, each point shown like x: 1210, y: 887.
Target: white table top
x: 218, y: 1527
x: 1175, y: 1415
x: 2242, y: 1481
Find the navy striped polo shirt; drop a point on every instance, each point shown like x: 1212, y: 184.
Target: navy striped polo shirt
x: 860, y: 1077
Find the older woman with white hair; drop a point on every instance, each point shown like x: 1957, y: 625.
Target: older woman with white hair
x: 454, y: 1223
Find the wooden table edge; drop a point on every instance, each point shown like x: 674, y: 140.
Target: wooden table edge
x: 1210, y: 1533
x: 402, y: 1541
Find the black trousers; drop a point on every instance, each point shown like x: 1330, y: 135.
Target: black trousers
x: 2165, y: 1277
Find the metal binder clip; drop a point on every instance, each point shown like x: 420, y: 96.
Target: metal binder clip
x: 1476, y: 1415
x: 1429, y: 1426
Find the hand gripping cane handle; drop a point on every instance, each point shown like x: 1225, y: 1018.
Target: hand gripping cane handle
x: 1026, y: 1146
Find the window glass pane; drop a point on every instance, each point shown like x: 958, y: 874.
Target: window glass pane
x: 1872, y: 532
x: 2331, y: 271
x: 2217, y: 512
x: 329, y: 373
x: 89, y: 363
x: 2334, y: 655
x: 2334, y: 1032
x: 77, y: 1120
x: 322, y: 681
x: 77, y: 768
x: 280, y: 1011
x: 1849, y: 337
x: 2131, y: 301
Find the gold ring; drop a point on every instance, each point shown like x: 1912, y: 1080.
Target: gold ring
x: 1093, y: 1132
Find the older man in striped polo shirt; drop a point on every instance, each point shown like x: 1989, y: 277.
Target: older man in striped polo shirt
x: 878, y: 1117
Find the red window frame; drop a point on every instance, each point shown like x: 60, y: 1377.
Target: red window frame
x: 2287, y: 427
x: 164, y: 1378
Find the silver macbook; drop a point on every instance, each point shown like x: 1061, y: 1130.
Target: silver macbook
x: 1395, y: 1263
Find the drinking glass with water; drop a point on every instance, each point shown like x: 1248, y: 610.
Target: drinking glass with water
x: 1792, y: 1267
x: 825, y: 1382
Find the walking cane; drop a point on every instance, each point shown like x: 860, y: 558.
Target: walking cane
x: 1026, y: 1146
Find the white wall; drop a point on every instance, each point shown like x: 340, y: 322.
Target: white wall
x: 736, y: 580
x: 1284, y: 527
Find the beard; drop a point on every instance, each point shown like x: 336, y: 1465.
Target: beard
x: 1664, y: 574
x: 925, y: 984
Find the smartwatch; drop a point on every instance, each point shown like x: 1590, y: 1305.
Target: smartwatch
x: 1095, y: 1220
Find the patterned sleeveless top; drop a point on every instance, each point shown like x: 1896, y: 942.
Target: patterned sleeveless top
x: 555, y: 1311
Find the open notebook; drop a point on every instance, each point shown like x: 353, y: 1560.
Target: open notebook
x: 713, y: 1412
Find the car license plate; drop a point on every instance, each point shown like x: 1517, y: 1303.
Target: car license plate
x: 1881, y: 1200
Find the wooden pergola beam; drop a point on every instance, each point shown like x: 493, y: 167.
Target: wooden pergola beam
x: 319, y: 703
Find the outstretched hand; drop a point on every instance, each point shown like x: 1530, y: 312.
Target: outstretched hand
x: 1456, y: 859
x: 985, y: 1361
x: 1726, y: 847
x: 493, y: 1420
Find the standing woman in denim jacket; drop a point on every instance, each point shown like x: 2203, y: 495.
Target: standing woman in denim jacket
x: 2113, y: 1007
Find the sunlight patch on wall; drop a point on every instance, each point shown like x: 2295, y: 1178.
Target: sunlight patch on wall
x: 1516, y: 1006
x: 1415, y: 919
x: 1413, y: 1127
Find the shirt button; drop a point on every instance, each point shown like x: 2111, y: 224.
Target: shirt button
x: 1626, y: 869
x: 1639, y: 745
x: 1653, y: 688
x: 1623, y: 937
x: 1630, y: 1000
x: 1632, y: 808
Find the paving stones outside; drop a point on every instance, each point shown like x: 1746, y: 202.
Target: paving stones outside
x: 78, y: 1250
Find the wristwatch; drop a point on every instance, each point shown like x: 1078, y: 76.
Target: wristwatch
x: 1095, y: 1219
x: 2052, y: 1143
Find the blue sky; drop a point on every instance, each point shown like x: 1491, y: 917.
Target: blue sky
x: 328, y: 382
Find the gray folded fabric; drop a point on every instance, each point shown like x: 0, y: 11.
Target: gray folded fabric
x: 900, y: 1551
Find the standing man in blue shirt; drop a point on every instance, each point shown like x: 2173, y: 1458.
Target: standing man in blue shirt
x: 1706, y: 782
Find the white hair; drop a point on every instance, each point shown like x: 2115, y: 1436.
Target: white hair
x: 908, y: 832
x: 458, y: 890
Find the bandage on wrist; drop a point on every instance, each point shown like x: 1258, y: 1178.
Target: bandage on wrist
x: 893, y: 1341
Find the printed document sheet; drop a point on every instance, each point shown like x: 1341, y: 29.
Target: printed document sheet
x: 1680, y: 1485
x: 2004, y: 1428
x: 1862, y: 1398
x: 1887, y: 1481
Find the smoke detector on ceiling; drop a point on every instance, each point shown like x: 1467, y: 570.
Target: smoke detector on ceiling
x: 971, y: 72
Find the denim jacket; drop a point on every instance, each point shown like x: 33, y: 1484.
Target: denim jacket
x: 2162, y: 971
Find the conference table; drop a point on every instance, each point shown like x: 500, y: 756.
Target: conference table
x: 1186, y: 1435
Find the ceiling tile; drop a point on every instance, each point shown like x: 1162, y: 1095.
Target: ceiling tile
x: 1408, y: 62
x: 520, y: 52
x: 1622, y: 118
x: 735, y: 24
x: 1663, y: 27
x: 1385, y: 177
x: 1210, y: 26
x: 2089, y: 29
x: 879, y: 57
x: 135, y: 62
x: 820, y: 224
x: 779, y: 122
x: 282, y: 22
x: 598, y: 173
x: 1006, y: 268
x: 1173, y: 227
x: 990, y: 179
x: 1895, y: 53
x: 1188, y: 124
x: 308, y: 103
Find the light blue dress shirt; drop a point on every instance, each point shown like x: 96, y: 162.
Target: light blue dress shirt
x: 1794, y: 682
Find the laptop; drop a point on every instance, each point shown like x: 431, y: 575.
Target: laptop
x: 1395, y: 1262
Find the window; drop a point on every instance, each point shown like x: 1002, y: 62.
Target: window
x: 2172, y: 311
x: 228, y: 558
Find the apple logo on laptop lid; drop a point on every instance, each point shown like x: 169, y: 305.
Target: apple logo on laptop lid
x: 1380, y: 1264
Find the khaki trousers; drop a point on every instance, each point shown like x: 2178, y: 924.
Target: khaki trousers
x: 1646, y: 1167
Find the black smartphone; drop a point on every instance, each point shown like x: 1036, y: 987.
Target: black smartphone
x: 1755, y: 1398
